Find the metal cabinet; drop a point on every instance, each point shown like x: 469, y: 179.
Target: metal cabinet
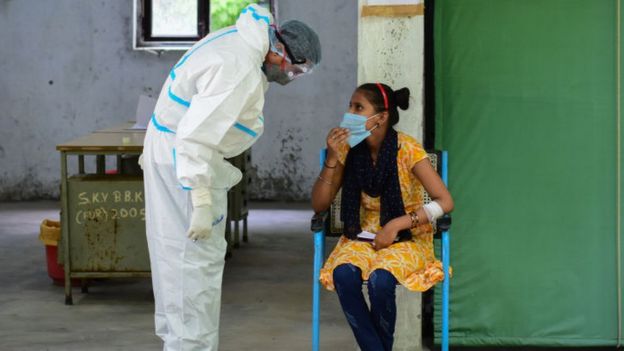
x: 102, y: 214
x: 106, y: 219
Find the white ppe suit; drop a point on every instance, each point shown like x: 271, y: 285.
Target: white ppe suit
x: 209, y: 109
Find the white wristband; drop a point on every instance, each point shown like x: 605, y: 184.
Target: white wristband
x: 433, y: 211
x: 201, y: 197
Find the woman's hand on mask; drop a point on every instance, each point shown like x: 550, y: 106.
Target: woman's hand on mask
x: 385, y: 237
x: 336, y: 138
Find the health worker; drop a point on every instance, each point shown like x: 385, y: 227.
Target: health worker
x: 209, y: 109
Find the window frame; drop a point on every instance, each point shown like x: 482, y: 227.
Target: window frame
x: 142, y: 38
x: 142, y: 28
x: 203, y: 22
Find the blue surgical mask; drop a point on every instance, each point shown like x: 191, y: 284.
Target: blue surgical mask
x: 357, y: 127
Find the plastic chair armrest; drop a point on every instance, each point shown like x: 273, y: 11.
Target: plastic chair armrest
x: 318, y: 221
x: 444, y: 223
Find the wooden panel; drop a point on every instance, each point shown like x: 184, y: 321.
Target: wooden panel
x: 393, y: 10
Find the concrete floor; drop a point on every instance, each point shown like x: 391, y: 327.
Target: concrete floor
x: 266, y: 292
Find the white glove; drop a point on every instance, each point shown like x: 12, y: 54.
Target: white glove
x: 201, y: 224
x: 201, y: 219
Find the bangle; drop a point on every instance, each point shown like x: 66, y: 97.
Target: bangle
x: 414, y: 218
x: 328, y: 166
x: 325, y: 180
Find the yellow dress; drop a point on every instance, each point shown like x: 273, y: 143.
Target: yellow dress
x: 412, y: 262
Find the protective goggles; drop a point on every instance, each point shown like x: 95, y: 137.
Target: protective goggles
x: 291, y: 65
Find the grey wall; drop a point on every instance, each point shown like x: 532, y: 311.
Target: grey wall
x: 67, y: 68
x: 299, y: 115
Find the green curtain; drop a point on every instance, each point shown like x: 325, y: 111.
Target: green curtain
x: 526, y: 107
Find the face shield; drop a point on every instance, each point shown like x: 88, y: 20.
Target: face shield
x: 291, y: 67
x: 294, y: 71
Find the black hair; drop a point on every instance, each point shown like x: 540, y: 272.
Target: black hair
x: 399, y: 98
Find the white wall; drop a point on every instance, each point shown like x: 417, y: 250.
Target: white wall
x: 391, y: 51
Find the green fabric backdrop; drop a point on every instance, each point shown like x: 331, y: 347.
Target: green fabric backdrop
x: 526, y: 107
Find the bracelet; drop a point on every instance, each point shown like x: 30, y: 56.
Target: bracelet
x: 414, y: 218
x: 325, y: 180
x: 328, y: 166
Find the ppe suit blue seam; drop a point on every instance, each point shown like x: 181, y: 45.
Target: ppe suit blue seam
x: 175, y: 169
x: 261, y: 118
x: 172, y: 73
x: 159, y: 126
x: 178, y: 99
x: 245, y: 129
x: 255, y: 15
x: 200, y: 46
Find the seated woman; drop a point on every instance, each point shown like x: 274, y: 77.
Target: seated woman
x: 382, y: 182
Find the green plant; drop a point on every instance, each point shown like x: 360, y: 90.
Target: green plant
x: 224, y: 13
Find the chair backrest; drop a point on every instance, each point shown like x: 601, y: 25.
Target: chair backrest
x: 334, y: 226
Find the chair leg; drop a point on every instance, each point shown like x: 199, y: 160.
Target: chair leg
x: 236, y: 234
x: 228, y: 238
x: 316, y: 289
x: 245, y: 237
x: 446, y: 252
x: 445, y: 291
x: 319, y: 254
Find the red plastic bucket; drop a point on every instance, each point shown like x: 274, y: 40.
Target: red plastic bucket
x: 55, y: 270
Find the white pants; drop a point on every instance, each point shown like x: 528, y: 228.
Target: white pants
x: 186, y: 275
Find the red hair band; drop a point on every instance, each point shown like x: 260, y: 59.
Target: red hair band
x: 383, y: 92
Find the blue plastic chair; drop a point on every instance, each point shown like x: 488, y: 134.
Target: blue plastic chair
x: 318, y: 227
